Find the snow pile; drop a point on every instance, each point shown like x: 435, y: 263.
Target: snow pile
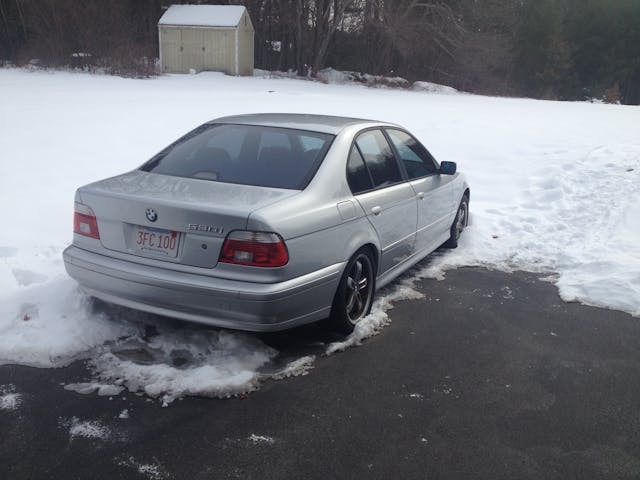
x: 554, y: 188
x: 44, y: 320
x: 330, y: 75
x: 189, y: 361
x: 292, y: 74
x: 383, y: 81
x: 432, y: 88
x: 343, y: 77
x: 340, y: 77
x: 9, y: 398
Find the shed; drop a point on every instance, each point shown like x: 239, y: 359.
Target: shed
x: 206, y: 37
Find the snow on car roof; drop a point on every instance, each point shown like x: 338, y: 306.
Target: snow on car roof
x: 203, y: 15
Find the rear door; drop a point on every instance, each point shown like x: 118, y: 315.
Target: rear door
x: 433, y: 191
x: 389, y: 202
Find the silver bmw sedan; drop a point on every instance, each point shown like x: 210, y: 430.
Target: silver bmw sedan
x: 264, y: 222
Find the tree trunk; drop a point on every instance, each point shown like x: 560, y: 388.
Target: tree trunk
x: 299, y: 62
x: 332, y: 23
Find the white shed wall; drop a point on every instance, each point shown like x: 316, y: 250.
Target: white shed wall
x: 245, y: 46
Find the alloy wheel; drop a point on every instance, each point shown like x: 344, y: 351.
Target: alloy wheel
x: 359, y: 288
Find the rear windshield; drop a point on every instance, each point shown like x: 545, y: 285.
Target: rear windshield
x: 244, y: 154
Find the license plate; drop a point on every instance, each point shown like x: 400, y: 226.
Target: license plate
x: 156, y: 240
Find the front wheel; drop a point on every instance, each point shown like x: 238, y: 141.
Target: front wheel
x: 353, y: 299
x: 459, y: 223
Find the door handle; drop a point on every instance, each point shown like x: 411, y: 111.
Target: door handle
x: 420, y: 195
x: 376, y: 210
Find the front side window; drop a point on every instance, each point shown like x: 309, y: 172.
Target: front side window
x: 245, y: 154
x: 415, y: 158
x: 378, y: 158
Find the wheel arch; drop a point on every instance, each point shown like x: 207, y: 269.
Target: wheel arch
x: 375, y: 254
x: 362, y: 237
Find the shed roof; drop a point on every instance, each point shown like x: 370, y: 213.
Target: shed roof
x: 203, y: 15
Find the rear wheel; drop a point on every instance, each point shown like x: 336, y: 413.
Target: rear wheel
x: 353, y: 299
x: 459, y: 223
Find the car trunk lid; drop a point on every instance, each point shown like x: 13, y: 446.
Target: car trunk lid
x: 175, y: 219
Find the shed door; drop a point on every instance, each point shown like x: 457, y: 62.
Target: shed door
x: 192, y: 49
x: 218, y: 49
x: 171, y: 58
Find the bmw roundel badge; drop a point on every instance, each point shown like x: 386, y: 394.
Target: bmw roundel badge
x: 151, y: 214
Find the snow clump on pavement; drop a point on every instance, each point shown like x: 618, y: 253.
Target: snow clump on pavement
x: 90, y: 387
x: 261, y: 439
x: 9, y: 398
x: 190, y: 361
x: 91, y: 429
x: 151, y: 471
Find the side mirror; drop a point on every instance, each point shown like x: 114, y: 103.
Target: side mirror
x: 448, y: 168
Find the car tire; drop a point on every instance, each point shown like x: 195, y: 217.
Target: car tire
x: 354, y: 296
x: 459, y: 223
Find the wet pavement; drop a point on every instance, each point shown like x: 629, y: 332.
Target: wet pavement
x: 489, y: 376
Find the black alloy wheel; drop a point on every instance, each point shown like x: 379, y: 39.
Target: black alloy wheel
x: 354, y: 296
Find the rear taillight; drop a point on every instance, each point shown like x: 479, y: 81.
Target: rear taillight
x: 84, y: 221
x: 256, y: 249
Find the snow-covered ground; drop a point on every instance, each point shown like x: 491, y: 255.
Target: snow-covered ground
x: 555, y: 188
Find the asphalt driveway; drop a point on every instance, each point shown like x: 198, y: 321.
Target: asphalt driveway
x: 490, y: 376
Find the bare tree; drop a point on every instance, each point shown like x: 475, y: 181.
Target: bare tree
x: 329, y: 15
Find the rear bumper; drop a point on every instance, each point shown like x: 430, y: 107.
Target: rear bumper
x: 259, y: 307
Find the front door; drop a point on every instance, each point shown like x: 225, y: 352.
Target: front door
x: 433, y: 191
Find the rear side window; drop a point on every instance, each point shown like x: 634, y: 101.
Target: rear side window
x: 357, y: 174
x: 378, y: 158
x: 415, y: 158
x: 245, y: 154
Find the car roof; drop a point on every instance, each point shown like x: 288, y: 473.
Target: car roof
x: 301, y: 121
